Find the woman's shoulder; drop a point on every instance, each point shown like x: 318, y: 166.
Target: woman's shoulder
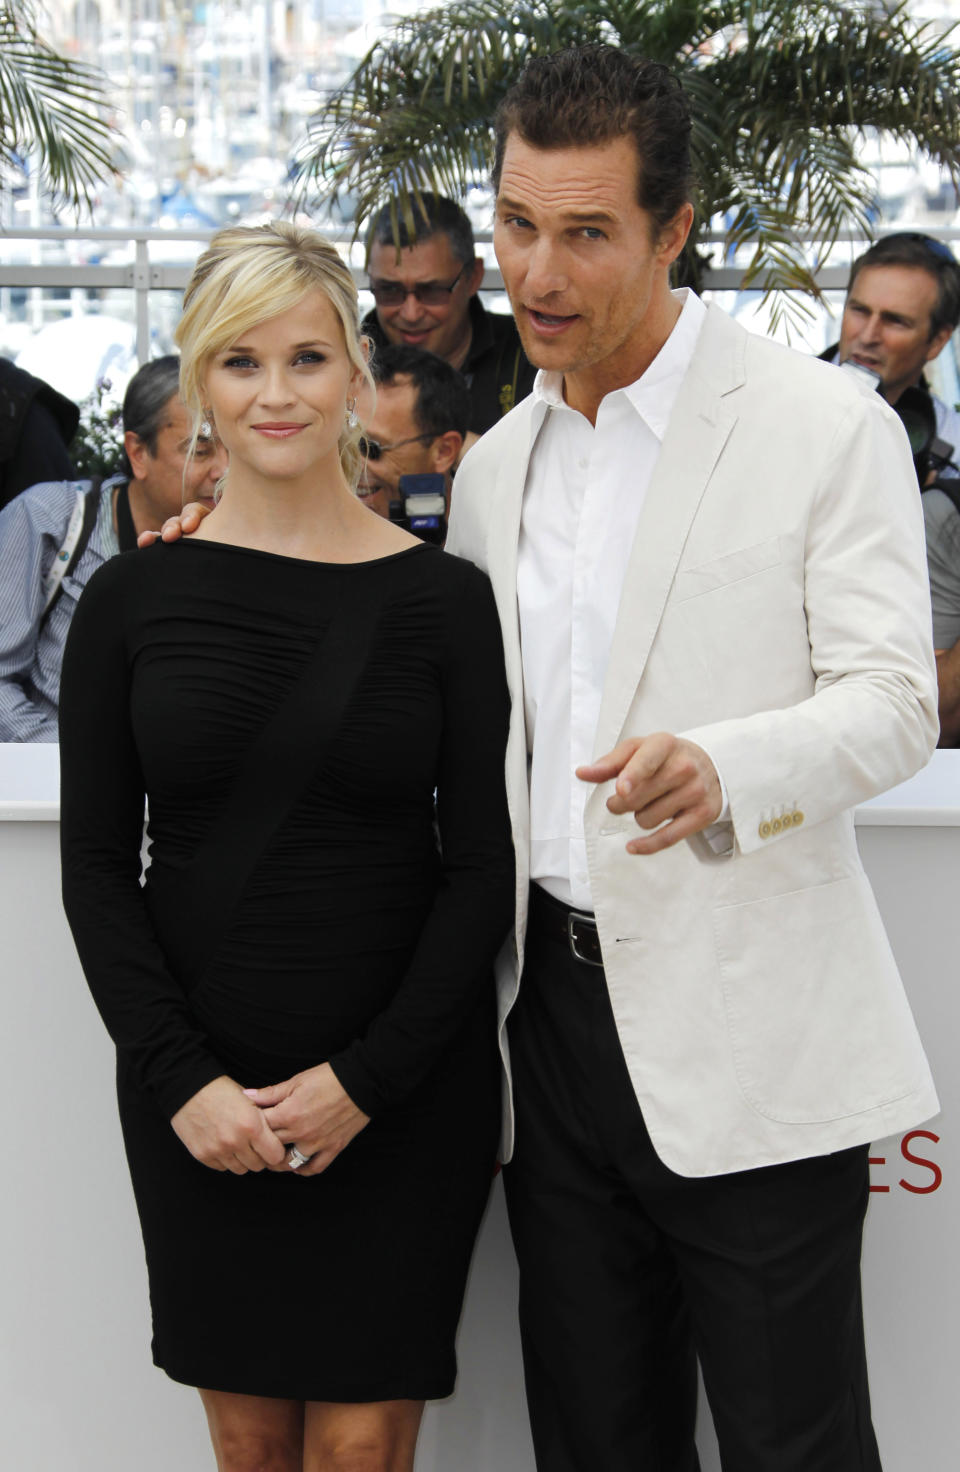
x: 460, y: 573
x: 133, y: 579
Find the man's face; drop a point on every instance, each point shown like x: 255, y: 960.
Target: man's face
x: 168, y: 479
x: 586, y: 273
x: 392, y: 422
x: 886, y: 325
x: 444, y: 329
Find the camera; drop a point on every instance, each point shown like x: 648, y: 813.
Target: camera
x: 931, y: 455
x: 422, y: 506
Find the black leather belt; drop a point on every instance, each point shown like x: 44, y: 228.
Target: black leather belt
x: 573, y: 928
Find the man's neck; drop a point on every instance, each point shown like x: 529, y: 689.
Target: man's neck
x: 458, y: 357
x: 143, y: 515
x: 586, y: 389
x: 897, y: 392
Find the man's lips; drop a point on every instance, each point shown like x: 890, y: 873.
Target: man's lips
x: 550, y: 324
x: 279, y: 431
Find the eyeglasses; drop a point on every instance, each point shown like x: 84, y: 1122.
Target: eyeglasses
x: 427, y: 293
x: 372, y: 449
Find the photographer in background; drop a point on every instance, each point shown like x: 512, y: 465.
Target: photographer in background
x: 902, y: 306
x: 417, y: 427
x: 55, y: 535
x: 426, y: 297
x: 36, y: 426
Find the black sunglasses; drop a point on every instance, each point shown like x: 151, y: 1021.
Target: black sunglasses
x: 372, y: 449
x: 427, y: 293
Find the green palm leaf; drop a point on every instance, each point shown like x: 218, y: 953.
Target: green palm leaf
x: 52, y: 107
x: 780, y: 98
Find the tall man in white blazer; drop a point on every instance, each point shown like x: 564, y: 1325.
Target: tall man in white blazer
x: 707, y: 553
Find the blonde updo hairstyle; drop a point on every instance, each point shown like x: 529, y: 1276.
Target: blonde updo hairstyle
x: 247, y: 275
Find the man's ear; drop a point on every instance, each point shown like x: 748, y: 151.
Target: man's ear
x: 137, y: 454
x: 937, y: 343
x: 475, y: 276
x: 673, y: 237
x: 445, y: 451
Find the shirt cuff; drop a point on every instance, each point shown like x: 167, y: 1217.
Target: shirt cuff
x: 719, y: 835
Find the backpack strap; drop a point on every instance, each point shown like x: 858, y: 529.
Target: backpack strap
x: 79, y: 531
x: 507, y: 395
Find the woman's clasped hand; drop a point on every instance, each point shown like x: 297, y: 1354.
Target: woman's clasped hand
x: 313, y: 1112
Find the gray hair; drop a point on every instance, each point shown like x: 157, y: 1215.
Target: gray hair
x: 148, y: 393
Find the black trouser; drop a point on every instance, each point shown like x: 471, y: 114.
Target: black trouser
x: 629, y: 1272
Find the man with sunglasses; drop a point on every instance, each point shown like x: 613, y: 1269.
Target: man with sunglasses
x: 426, y: 297
x: 903, y: 304
x: 417, y: 426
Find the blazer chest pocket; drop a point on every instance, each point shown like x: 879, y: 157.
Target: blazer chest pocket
x: 733, y: 567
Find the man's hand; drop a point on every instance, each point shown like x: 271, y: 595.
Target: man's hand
x: 225, y: 1131
x: 175, y: 526
x: 660, y: 779
x: 313, y: 1112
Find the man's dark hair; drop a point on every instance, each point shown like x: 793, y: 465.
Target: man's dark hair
x: 433, y: 214
x: 911, y: 248
x: 589, y: 95
x: 148, y: 394
x: 442, y: 399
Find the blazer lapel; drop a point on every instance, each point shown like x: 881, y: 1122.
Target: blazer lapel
x: 503, y: 535
x: 698, y: 429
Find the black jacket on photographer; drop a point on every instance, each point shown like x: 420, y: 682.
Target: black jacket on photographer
x: 496, y: 367
x: 36, y: 425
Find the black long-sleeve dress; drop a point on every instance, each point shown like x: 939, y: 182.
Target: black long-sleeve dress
x: 289, y: 722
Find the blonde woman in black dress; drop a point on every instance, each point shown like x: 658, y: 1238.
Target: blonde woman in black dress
x: 301, y: 993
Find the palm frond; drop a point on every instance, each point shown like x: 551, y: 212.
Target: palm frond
x: 779, y: 97
x: 53, y: 107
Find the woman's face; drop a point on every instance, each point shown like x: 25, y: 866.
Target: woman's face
x: 279, y: 393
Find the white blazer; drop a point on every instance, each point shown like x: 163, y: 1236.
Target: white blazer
x: 775, y: 607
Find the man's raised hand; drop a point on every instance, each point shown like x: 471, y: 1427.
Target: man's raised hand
x: 663, y: 780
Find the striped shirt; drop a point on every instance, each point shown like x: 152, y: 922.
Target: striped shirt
x: 32, y: 530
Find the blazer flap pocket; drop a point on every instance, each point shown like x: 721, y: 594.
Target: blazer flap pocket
x: 731, y: 568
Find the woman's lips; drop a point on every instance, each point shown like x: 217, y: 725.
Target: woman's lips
x: 279, y: 431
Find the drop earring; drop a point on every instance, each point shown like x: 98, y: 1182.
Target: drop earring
x: 352, y: 418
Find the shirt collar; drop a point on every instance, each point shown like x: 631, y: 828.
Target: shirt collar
x: 654, y: 393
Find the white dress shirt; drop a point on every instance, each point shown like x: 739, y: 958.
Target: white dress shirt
x: 584, y: 493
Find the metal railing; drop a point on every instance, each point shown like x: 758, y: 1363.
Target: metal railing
x: 145, y: 274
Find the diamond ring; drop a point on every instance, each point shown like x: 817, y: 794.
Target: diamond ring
x: 296, y: 1158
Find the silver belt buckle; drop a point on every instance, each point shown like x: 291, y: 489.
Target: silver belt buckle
x: 572, y: 917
